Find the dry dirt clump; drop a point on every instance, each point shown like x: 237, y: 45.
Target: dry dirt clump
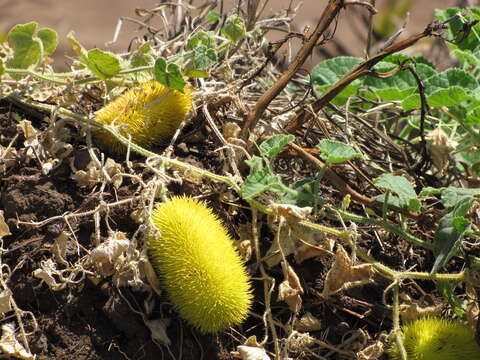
x: 319, y: 186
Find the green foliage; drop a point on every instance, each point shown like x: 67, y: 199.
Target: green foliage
x: 168, y: 74
x: 259, y: 182
x: 336, y: 152
x: 234, y: 28
x: 202, y: 37
x: 456, y: 28
x: 406, y: 196
x: 30, y: 46
x: 271, y: 147
x: 142, y: 57
x: 448, y: 88
x: 213, y: 17
x: 448, y: 237
x: 328, y: 72
x: 452, y: 196
x: 262, y: 177
x: 204, y: 57
x: 447, y: 288
x: 102, y: 64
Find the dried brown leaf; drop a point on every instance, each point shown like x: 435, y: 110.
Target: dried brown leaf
x: 343, y: 275
x: 4, y: 230
x: 290, y: 290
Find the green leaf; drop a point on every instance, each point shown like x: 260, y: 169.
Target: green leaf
x: 270, y: 148
x: 328, y: 72
x: 470, y: 158
x: 143, y: 56
x: 447, y: 288
x: 392, y: 199
x: 203, y: 57
x: 400, y: 85
x: 49, y: 39
x: 201, y: 37
x: 400, y: 58
x: 431, y: 191
x: 255, y: 163
x: 468, y: 58
x: 195, y: 73
x: 27, y: 49
x: 103, y: 64
x: 168, y: 75
x: 336, y: 152
x: 448, y: 237
x: 472, y: 117
x: 449, y: 78
x: 400, y: 186
x: 447, y: 88
x: 304, y: 194
x: 213, y: 17
x: 259, y: 182
x: 448, y: 97
x: 452, y: 196
x: 77, y: 48
x: 455, y: 27
x: 2, y: 68
x: 234, y: 28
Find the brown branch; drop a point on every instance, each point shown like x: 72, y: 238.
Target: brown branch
x: 344, y: 188
x: 362, y: 69
x: 331, y: 11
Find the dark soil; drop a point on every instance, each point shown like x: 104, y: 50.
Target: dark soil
x: 87, y: 320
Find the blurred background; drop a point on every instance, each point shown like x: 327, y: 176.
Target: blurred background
x: 94, y: 21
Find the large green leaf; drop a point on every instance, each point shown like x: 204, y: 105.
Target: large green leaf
x: 399, y: 185
x: 448, y: 88
x: 400, y: 85
x: 259, y: 182
x: 103, y: 64
x: 271, y: 147
x: 328, y: 72
x: 27, y: 49
x: 336, y: 152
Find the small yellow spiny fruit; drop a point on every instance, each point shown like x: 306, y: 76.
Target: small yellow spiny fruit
x: 199, y: 266
x: 437, y: 339
x: 149, y: 113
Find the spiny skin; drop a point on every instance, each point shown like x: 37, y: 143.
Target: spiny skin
x: 199, y: 266
x: 149, y: 112
x: 437, y: 339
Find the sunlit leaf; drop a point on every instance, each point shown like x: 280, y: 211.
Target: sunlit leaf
x: 168, y: 75
x: 271, y: 147
x: 336, y: 152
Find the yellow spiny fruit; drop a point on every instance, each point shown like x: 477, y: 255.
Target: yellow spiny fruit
x: 437, y: 339
x: 199, y: 266
x: 149, y: 113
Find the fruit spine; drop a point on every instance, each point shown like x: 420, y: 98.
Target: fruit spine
x: 199, y: 266
x: 437, y: 339
x: 149, y: 113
